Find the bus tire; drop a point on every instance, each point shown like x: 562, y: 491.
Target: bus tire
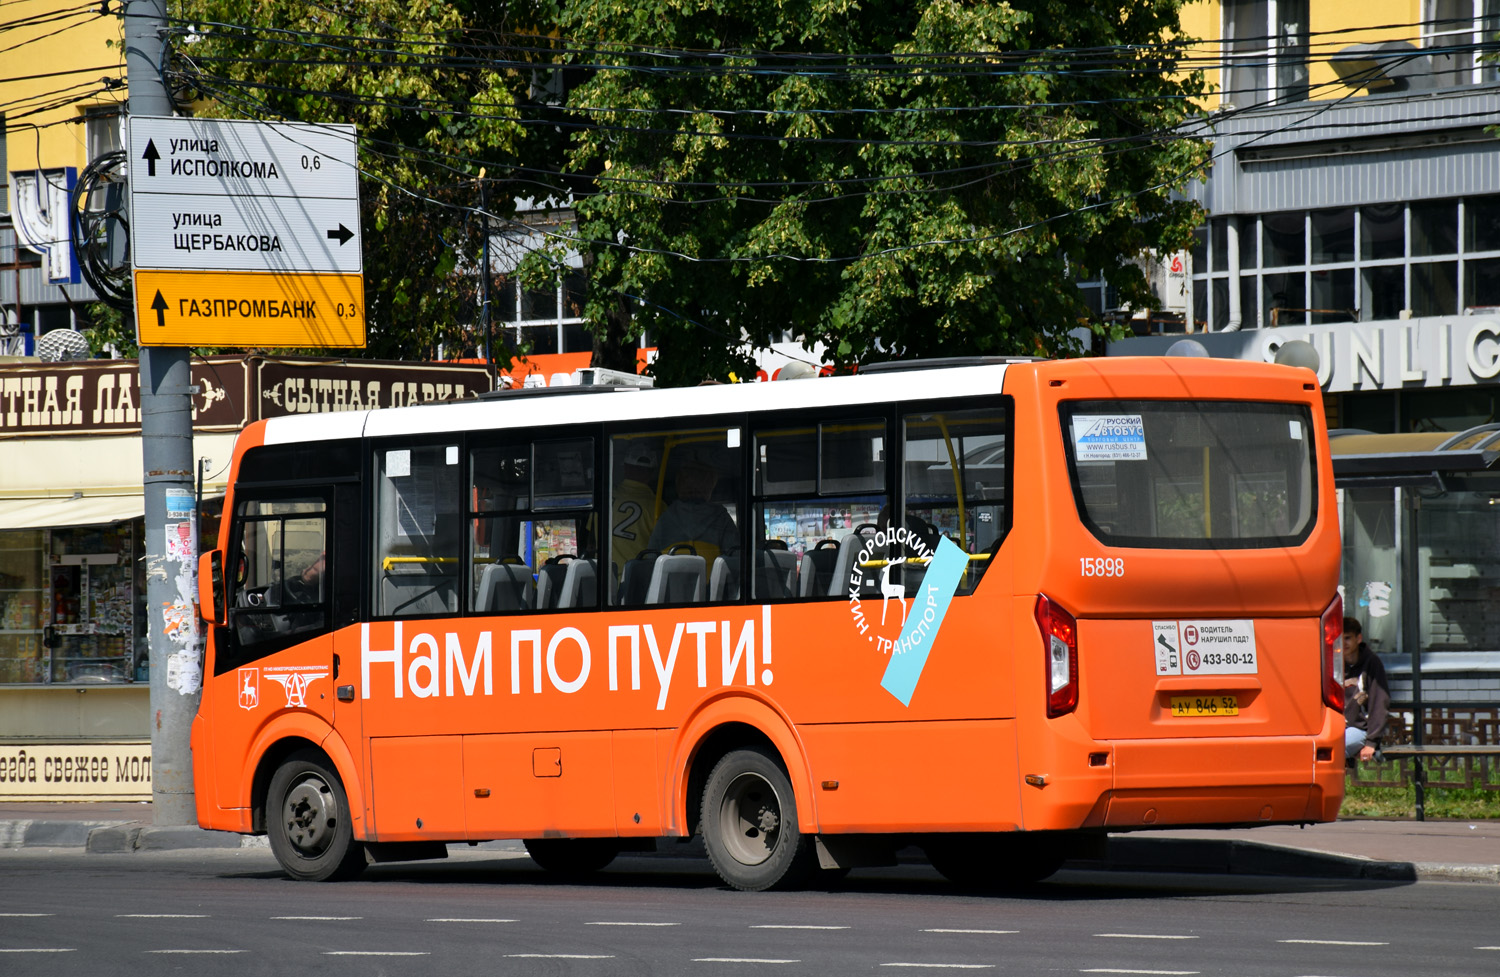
x: 991, y: 863
x: 307, y: 818
x: 749, y: 822
x: 572, y: 857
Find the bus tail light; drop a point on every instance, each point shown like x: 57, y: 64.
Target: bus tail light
x: 1060, y: 643
x: 1333, y: 654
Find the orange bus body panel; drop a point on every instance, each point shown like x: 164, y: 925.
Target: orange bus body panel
x: 589, y: 724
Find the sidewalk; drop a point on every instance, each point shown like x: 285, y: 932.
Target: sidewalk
x: 1458, y: 851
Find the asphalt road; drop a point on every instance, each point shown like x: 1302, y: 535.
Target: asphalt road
x: 491, y: 912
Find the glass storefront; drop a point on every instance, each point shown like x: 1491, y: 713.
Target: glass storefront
x: 68, y: 605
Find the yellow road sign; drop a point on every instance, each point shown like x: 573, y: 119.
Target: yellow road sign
x: 218, y: 308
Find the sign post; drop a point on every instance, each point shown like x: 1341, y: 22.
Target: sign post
x: 245, y: 233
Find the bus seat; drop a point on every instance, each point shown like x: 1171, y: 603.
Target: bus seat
x: 417, y: 593
x: 549, y: 581
x: 816, y: 572
x: 911, y: 576
x: 635, y: 578
x: 724, y: 580
x: 776, y: 574
x: 580, y: 586
x: 844, y: 565
x: 504, y: 587
x: 677, y: 579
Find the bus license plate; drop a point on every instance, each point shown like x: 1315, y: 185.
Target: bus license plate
x: 1205, y: 705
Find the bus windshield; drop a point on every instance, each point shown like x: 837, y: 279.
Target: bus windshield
x: 1192, y: 474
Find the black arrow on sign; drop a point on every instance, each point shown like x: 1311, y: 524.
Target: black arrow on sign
x: 151, y: 156
x: 342, y: 235
x: 160, y: 305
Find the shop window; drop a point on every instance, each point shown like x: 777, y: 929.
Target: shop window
x: 1382, y: 232
x: 1220, y: 287
x: 1482, y: 224
x: 1434, y: 227
x: 538, y: 304
x: 1219, y: 233
x: 417, y: 530
x: 1249, y: 303
x: 1332, y: 235
x: 23, y: 607
x: 1286, y: 299
x: 1333, y: 296
x: 1434, y: 288
x: 538, y: 339
x: 1384, y: 292
x: 1458, y: 558
x: 1200, y: 249
x: 1482, y: 284
x: 1249, y: 243
x: 1284, y: 240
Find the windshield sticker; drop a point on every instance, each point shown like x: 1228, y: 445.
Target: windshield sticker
x: 1109, y: 437
x: 1204, y: 647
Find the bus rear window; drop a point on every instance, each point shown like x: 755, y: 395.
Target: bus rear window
x: 1192, y: 474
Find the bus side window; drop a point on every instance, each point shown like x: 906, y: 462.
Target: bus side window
x: 532, y: 521
x: 418, y: 545
x: 820, y: 488
x: 955, y: 486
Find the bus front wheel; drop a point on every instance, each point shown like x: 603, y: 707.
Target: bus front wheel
x: 307, y: 818
x: 749, y: 823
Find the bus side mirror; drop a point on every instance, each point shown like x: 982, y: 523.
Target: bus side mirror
x: 211, y: 603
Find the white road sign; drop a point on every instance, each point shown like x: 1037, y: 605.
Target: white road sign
x: 249, y: 234
x: 217, y: 195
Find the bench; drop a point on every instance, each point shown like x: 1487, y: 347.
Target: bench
x: 1417, y: 753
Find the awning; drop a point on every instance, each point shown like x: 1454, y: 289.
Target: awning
x: 57, y: 513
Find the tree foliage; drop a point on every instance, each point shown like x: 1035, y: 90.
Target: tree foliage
x: 890, y: 179
x: 427, y: 123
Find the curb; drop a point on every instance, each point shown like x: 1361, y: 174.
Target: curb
x: 1235, y: 857
x: 112, y: 837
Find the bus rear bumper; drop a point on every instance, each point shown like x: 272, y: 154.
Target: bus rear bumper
x: 1231, y: 781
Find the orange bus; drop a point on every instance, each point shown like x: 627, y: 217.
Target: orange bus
x: 994, y: 609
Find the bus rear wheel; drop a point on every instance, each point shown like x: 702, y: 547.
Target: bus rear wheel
x: 307, y: 818
x: 572, y: 857
x: 749, y: 823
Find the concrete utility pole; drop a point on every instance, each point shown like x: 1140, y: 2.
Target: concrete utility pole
x: 171, y: 515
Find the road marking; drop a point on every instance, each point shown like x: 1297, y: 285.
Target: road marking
x: 992, y: 932
x: 321, y: 919
x: 160, y: 916
x: 195, y: 951
x: 791, y: 926
x: 560, y: 956
x: 1144, y: 936
x: 1337, y: 942
x: 740, y: 960
x: 41, y: 949
x: 376, y: 953
x: 1111, y: 970
x: 945, y: 966
x: 1487, y: 948
x: 460, y: 919
x: 609, y: 923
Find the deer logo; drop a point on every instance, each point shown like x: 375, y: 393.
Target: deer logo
x: 889, y: 590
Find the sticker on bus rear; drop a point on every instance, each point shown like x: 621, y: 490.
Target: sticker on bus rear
x: 1204, y: 647
x: 1109, y: 437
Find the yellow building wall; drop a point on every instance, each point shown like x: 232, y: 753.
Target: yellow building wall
x: 1333, y: 26
x: 85, y: 45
